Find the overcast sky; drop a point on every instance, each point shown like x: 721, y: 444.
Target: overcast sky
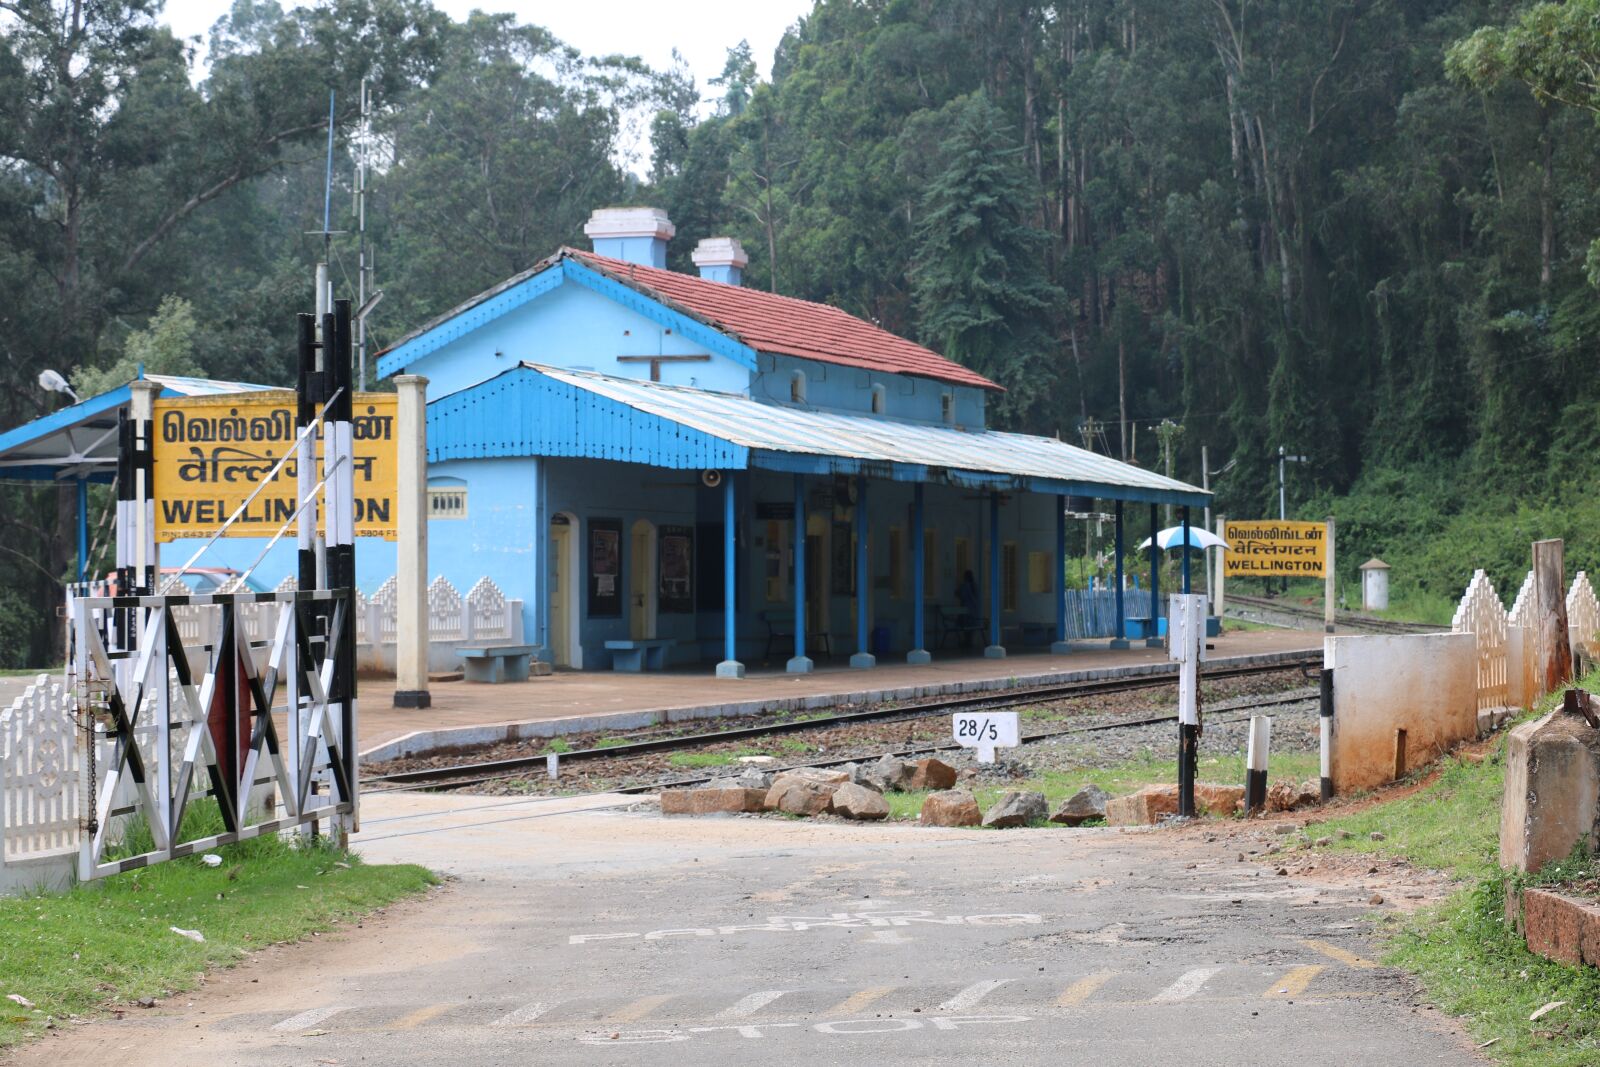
x: 702, y: 30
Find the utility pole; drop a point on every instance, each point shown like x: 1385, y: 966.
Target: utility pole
x: 1166, y: 432
x: 1284, y: 458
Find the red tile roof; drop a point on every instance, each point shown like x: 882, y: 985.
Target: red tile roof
x: 783, y: 325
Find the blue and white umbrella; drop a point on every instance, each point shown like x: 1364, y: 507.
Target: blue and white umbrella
x: 1199, y: 538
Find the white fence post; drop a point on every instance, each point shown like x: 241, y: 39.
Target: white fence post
x: 1481, y: 614
x: 1583, y: 618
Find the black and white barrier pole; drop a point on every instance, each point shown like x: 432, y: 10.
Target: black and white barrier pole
x: 1255, y: 779
x: 1186, y: 630
x: 338, y: 469
x: 1326, y: 723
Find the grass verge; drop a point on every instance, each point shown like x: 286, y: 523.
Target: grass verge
x: 111, y: 941
x: 1468, y: 959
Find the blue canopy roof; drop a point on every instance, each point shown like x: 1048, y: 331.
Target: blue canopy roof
x: 81, y: 441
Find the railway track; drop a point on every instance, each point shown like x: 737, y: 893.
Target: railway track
x: 1262, y: 609
x: 466, y: 774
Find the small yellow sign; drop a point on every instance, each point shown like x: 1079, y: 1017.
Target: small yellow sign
x: 1269, y: 549
x: 212, y: 451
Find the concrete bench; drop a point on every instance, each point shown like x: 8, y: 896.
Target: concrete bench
x: 636, y: 656
x: 496, y: 663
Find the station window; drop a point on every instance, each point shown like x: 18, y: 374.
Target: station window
x: 1039, y: 572
x: 879, y: 399
x: 963, y: 557
x: 447, y: 502
x: 947, y: 406
x: 1008, y: 576
x: 897, y: 563
x: 797, y: 387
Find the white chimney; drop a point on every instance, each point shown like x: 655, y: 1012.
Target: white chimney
x: 720, y: 259
x: 636, y: 234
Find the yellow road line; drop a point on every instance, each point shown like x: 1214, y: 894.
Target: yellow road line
x: 1334, y: 952
x: 420, y: 1016
x: 630, y: 1013
x: 1295, y: 982
x: 1082, y: 989
x: 860, y: 999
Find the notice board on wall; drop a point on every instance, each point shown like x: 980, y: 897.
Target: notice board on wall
x: 675, y: 596
x: 1274, y: 549
x: 605, y: 568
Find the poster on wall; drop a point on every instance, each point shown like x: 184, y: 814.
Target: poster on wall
x: 605, y: 568
x: 676, y: 595
x: 844, y: 568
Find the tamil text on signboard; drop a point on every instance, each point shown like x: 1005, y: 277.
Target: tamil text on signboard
x: 1267, y: 549
x: 211, y: 453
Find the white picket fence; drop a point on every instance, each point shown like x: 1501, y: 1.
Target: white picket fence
x: 484, y: 614
x: 1507, y: 640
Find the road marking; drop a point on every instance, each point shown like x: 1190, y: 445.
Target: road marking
x: 1294, y: 983
x: 973, y: 994
x: 1082, y: 989
x: 307, y: 1019
x: 751, y: 1004
x: 631, y: 1013
x: 420, y: 1016
x: 523, y: 1015
x: 1187, y: 985
x: 1344, y: 956
x: 860, y: 999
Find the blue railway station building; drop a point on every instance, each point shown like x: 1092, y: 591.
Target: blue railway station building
x: 669, y: 470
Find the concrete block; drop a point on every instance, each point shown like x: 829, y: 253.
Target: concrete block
x: 1147, y: 806
x: 712, y: 800
x: 1552, y: 792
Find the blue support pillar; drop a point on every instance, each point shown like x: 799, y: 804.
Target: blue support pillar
x: 1120, y: 638
x: 863, y: 657
x: 919, y: 651
x: 995, y: 650
x: 83, y: 530
x: 1184, y: 511
x: 730, y: 667
x: 1154, y: 640
x: 801, y: 663
x: 1061, y: 645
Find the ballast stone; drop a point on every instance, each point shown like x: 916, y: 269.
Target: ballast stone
x: 1017, y: 809
x: 854, y: 801
x: 952, y: 807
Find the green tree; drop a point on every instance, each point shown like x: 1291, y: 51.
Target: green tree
x: 979, y: 295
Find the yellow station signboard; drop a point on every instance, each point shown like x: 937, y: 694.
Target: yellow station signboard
x: 1270, y: 549
x: 212, y: 451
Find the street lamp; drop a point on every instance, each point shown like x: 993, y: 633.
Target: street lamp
x: 52, y: 382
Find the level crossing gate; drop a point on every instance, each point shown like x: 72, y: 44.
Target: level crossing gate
x: 161, y: 722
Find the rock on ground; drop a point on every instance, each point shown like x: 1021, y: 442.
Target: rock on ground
x: 1087, y: 803
x: 896, y: 772
x: 798, y: 794
x: 854, y: 801
x: 867, y: 775
x: 710, y: 800
x: 1148, y: 805
x: 1017, y: 809
x: 932, y: 774
x: 952, y: 807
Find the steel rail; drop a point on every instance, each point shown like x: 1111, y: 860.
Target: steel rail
x: 1349, y: 619
x: 472, y: 773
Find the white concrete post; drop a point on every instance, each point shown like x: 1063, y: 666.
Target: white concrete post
x: 1330, y: 586
x: 141, y: 409
x: 411, y: 575
x: 1218, y: 593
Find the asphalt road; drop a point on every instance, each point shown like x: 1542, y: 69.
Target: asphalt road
x: 617, y: 937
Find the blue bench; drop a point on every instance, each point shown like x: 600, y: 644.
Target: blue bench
x: 636, y: 656
x: 496, y: 663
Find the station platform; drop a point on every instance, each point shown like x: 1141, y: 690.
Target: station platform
x: 468, y: 714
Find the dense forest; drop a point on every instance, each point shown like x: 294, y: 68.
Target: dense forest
x: 1361, y: 229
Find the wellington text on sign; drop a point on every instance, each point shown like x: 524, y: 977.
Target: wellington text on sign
x: 1268, y: 549
x: 211, y: 452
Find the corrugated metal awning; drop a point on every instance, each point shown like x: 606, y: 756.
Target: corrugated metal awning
x: 674, y: 426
